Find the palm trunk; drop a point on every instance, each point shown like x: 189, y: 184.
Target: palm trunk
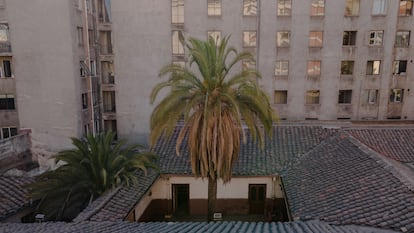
x: 212, y: 198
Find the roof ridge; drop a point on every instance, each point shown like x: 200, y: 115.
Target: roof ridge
x: 86, y: 214
x: 387, y: 163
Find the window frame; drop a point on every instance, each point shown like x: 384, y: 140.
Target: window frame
x: 177, y: 48
x: 312, y: 64
x: 250, y: 43
x: 9, y: 132
x: 312, y: 97
x: 283, y: 66
x: 370, y: 95
x: 84, y: 101
x: 346, y: 96
x: 397, y: 67
x: 7, y: 102
x: 347, y: 63
x: 284, y: 8
x: 354, y: 8
x: 247, y: 4
x: 375, y: 38
x: 351, y: 36
x: 312, y: 40
x: 215, y: 6
x: 279, y: 42
x: 282, y: 98
x: 216, y: 35
x: 4, y: 33
x: 371, y: 64
x: 382, y: 4
x: 177, y: 12
x: 3, y: 67
x: 317, y: 8
x: 404, y: 43
x: 406, y: 11
x: 394, y: 97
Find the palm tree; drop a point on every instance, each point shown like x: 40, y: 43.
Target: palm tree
x: 94, y: 166
x: 215, y: 104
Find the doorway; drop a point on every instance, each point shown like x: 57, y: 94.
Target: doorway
x: 181, y: 199
x: 257, y: 198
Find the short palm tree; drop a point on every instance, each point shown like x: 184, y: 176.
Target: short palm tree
x: 95, y: 165
x: 215, y: 103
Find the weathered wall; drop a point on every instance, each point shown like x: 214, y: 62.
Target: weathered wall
x: 15, y: 151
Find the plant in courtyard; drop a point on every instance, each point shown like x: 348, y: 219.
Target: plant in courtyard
x: 95, y: 165
x: 215, y: 103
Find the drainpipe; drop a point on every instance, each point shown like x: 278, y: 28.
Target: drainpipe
x: 258, y: 34
x: 88, y: 64
x: 285, y: 198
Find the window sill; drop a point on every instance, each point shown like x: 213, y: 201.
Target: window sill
x: 379, y: 15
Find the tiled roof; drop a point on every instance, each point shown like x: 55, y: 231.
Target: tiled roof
x: 286, y: 145
x: 186, y: 227
x: 12, y: 195
x: 116, y: 205
x: 342, y: 183
x: 395, y: 143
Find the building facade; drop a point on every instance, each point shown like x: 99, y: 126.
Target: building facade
x: 320, y: 60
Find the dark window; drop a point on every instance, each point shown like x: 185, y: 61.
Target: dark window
x: 7, y: 68
x: 345, y: 97
x: 6, y: 102
x: 349, y: 38
x: 399, y: 67
x: 347, y: 67
x: 84, y: 100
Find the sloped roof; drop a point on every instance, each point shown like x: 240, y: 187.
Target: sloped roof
x: 186, y: 227
x: 395, y: 143
x: 341, y: 183
x: 286, y: 145
x: 12, y: 195
x: 115, y: 205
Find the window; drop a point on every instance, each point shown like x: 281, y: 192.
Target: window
x: 349, y: 38
x: 214, y: 7
x: 379, y: 7
x: 373, y: 67
x: 91, y: 37
x: 318, y: 7
x: 107, y: 72
x: 177, y: 46
x: 314, y: 68
x: 283, y: 39
x: 92, y: 67
x: 7, y: 132
x: 4, y: 33
x: 248, y: 64
x: 284, y: 7
x: 347, y: 67
x: 315, y: 39
x: 280, y: 97
x: 177, y: 11
x: 80, y: 35
x: 352, y: 8
x: 216, y: 35
x: 372, y: 96
x: 312, y: 97
x: 109, y: 101
x: 402, y: 39
x: 396, y: 95
x: 282, y: 68
x: 104, y: 11
x: 7, y: 102
x: 249, y: 7
x: 399, y: 67
x: 249, y: 39
x: 84, y: 100
x: 345, y: 97
x: 406, y: 8
x: 6, y: 67
x: 375, y: 38
x: 83, y: 68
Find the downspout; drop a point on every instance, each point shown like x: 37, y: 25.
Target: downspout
x: 258, y: 34
x: 88, y: 64
x: 285, y: 198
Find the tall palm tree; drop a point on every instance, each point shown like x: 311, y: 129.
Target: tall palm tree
x: 95, y: 165
x: 215, y: 103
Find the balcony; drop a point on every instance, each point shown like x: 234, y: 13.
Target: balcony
x: 109, y: 108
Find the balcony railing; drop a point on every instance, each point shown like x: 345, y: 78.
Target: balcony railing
x: 106, y: 49
x: 109, y: 79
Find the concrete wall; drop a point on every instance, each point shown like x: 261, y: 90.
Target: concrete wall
x: 15, y: 151
x: 46, y: 70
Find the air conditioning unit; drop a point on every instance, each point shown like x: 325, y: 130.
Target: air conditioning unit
x: 217, y: 216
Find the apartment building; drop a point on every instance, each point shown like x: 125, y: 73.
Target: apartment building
x: 320, y: 60
x: 57, y: 75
